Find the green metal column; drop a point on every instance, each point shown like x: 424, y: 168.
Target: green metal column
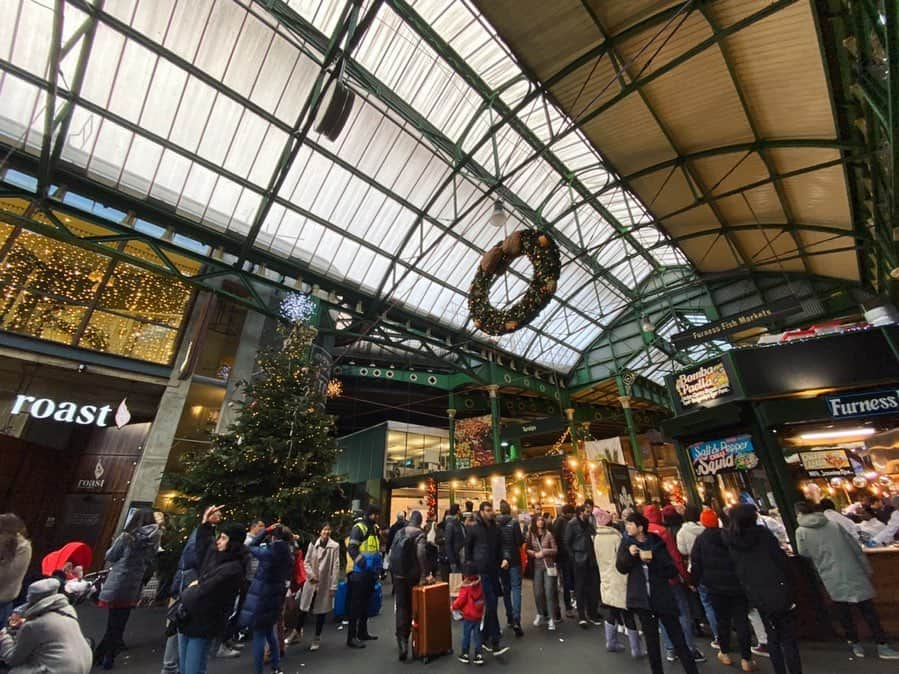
x: 495, y: 421
x: 688, y: 477
x: 451, y: 413
x: 771, y: 458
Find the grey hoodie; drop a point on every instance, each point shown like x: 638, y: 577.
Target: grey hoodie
x: 49, y: 642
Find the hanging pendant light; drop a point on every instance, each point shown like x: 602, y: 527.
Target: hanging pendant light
x: 499, y: 216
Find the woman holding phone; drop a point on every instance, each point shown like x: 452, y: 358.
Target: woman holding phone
x: 644, y: 559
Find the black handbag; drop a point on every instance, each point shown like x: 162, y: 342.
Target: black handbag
x: 176, y: 617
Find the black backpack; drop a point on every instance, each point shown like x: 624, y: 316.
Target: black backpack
x: 403, y: 554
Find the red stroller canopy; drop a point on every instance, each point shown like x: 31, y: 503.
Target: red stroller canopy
x: 80, y: 554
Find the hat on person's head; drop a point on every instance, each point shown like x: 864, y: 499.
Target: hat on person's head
x: 603, y: 517
x: 236, y: 533
x: 653, y: 513
x: 669, y: 511
x: 709, y: 518
x: 40, y: 589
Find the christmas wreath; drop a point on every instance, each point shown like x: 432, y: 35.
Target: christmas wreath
x: 543, y: 253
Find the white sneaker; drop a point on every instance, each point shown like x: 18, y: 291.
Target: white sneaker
x: 225, y: 652
x: 538, y: 620
x: 552, y: 625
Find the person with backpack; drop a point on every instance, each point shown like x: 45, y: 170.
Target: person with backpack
x: 510, y: 579
x: 130, y: 556
x: 364, y: 565
x: 763, y: 570
x: 409, y: 564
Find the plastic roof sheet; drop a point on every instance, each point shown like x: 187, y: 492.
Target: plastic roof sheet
x: 191, y: 102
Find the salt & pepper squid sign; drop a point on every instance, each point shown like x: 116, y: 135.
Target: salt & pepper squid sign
x: 702, y: 385
x: 727, y: 455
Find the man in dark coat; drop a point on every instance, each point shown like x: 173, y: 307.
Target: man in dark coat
x: 454, y: 532
x: 579, y: 541
x: 563, y: 558
x: 484, y: 549
x: 643, y: 557
x: 409, y: 564
x: 510, y: 579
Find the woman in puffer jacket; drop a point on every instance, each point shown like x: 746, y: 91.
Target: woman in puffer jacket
x: 130, y: 555
x: 265, y: 599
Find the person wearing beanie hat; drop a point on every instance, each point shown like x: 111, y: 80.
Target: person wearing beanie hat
x: 209, y: 600
x: 709, y: 519
x: 50, y: 638
x: 364, y: 564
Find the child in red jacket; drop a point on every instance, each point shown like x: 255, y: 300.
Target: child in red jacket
x: 470, y: 603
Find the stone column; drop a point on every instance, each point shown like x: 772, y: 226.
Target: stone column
x: 244, y: 366
x: 158, y: 445
x: 495, y: 420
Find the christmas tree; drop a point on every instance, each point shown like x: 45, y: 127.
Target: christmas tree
x: 276, y: 460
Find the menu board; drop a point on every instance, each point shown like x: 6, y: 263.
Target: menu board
x: 827, y: 463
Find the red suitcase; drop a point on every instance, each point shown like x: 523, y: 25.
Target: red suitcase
x: 432, y: 633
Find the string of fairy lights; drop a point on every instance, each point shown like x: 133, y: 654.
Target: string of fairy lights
x: 46, y: 287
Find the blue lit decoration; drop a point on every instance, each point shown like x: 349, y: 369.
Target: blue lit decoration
x: 297, y: 307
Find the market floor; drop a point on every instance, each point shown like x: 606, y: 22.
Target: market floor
x: 569, y: 650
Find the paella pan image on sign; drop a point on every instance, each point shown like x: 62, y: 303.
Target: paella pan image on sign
x: 498, y: 282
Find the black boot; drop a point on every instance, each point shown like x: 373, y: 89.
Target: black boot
x: 363, y: 631
x: 352, y: 640
x: 403, y: 644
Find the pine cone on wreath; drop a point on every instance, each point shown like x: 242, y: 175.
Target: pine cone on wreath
x: 491, y: 260
x: 512, y: 245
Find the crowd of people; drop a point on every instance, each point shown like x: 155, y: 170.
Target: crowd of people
x: 648, y: 578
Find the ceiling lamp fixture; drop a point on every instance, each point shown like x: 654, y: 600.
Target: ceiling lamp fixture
x: 337, y: 111
x: 499, y: 216
x: 838, y: 434
x: 648, y: 326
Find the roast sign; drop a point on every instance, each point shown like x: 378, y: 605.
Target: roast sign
x: 68, y: 412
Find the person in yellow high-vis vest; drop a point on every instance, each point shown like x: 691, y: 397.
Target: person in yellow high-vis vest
x: 364, y: 554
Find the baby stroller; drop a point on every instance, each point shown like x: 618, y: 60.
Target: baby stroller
x: 68, y: 564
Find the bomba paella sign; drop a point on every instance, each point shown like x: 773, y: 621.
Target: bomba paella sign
x: 703, y: 384
x: 723, y: 456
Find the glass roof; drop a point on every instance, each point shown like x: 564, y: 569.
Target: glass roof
x: 192, y: 102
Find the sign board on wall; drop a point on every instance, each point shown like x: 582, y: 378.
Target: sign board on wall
x: 622, y: 489
x: 746, y: 319
x: 608, y: 449
x: 701, y: 385
x: 870, y: 403
x: 71, y: 412
x: 723, y: 456
x: 827, y: 463
x: 498, y: 489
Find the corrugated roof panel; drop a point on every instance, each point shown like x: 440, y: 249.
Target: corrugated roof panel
x: 778, y: 63
x: 629, y: 136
